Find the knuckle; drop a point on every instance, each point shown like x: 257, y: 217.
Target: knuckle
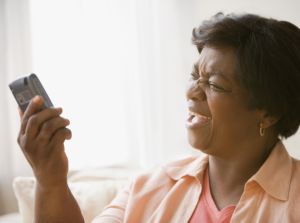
x: 33, y: 121
x: 54, y: 111
x: 48, y: 110
x: 43, y: 135
x: 54, y: 124
x: 50, y: 113
x: 48, y: 126
x: 19, y: 139
x: 23, y: 142
x: 24, y: 122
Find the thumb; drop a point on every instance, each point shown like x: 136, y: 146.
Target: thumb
x: 20, y: 112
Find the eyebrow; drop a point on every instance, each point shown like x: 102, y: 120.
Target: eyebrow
x: 220, y: 74
x: 213, y: 73
x: 195, y: 67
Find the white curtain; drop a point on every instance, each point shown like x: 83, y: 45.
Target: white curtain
x: 15, y: 58
x: 118, y: 68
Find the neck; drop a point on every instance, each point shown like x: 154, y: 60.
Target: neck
x: 232, y: 173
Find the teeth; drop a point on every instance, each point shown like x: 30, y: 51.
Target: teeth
x: 195, y: 114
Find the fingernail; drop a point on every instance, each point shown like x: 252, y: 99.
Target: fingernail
x: 36, y: 99
x: 59, y: 109
x: 70, y: 135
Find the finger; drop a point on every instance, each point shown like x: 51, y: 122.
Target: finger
x: 36, y: 121
x: 51, y: 126
x: 59, y: 137
x: 21, y: 113
x: 34, y: 106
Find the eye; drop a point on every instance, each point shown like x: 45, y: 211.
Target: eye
x: 215, y: 87
x: 195, y: 72
x: 195, y: 76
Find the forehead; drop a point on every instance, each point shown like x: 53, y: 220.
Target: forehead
x: 218, y: 60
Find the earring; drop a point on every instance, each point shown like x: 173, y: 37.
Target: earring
x: 261, y: 130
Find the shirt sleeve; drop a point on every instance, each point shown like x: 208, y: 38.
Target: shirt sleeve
x: 115, y: 211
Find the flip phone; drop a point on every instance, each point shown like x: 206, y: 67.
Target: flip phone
x: 25, y: 88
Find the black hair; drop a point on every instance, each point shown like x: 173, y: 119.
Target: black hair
x: 268, y: 53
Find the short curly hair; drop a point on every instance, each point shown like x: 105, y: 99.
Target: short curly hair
x: 268, y: 53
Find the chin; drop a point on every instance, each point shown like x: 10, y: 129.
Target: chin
x: 199, y: 143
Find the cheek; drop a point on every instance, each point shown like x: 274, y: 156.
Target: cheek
x: 222, y: 110
x: 230, y: 117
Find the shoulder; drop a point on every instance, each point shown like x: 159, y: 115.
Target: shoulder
x: 183, y: 162
x: 296, y: 170
x: 293, y: 202
x: 170, y: 172
x: 294, y: 193
x: 164, y: 168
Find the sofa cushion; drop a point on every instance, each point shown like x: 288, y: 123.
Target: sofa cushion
x: 10, y: 218
x: 93, y: 190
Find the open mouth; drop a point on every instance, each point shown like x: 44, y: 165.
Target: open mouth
x: 196, y: 120
x: 194, y: 114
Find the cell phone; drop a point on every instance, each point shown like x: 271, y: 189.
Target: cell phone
x: 25, y: 88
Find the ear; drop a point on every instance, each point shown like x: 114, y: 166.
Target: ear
x: 267, y: 120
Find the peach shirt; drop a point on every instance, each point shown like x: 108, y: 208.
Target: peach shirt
x: 206, y: 210
x: 171, y: 193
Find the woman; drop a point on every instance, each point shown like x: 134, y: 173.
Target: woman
x: 243, y: 97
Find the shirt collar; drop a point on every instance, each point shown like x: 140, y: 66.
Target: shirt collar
x: 192, y: 166
x: 275, y: 174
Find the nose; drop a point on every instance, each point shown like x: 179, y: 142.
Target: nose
x: 195, y: 91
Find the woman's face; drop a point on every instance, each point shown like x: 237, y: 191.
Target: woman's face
x: 219, y: 121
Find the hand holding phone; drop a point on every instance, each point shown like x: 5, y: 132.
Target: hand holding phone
x: 42, y: 132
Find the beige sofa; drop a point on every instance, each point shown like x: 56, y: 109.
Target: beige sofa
x: 93, y: 189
